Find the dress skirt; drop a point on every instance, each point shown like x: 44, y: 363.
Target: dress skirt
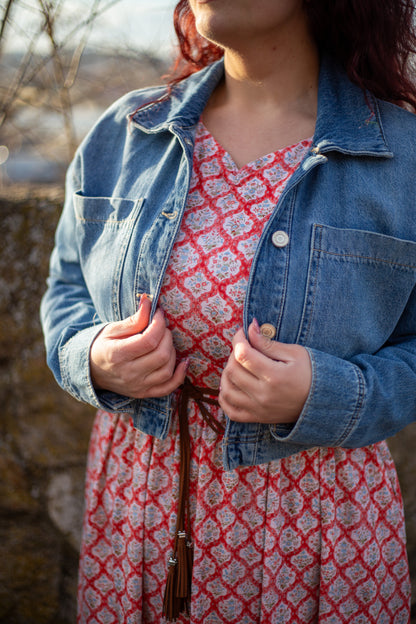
x: 316, y: 537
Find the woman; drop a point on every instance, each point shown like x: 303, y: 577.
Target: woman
x: 236, y: 260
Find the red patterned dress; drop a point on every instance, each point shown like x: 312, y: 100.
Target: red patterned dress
x: 316, y: 537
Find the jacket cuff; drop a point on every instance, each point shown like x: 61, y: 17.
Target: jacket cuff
x: 332, y: 409
x: 74, y: 361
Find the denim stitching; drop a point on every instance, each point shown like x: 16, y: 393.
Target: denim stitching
x: 313, y: 294
x: 374, y: 259
x: 358, y: 405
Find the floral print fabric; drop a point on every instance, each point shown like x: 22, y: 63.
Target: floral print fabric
x: 316, y: 537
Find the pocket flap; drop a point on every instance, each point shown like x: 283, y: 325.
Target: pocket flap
x: 105, y: 209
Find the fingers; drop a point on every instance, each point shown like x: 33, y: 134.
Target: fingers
x: 147, y: 341
x: 257, y: 354
x: 246, y: 356
x: 135, y: 364
x: 157, y: 366
x: 169, y: 386
x: 264, y: 380
x: 272, y: 349
x: 237, y: 404
x: 134, y: 324
x: 155, y: 374
x: 253, y: 361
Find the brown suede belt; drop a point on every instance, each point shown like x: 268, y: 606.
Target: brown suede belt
x: 178, y: 584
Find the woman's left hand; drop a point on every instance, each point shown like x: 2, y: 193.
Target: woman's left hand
x: 265, y: 381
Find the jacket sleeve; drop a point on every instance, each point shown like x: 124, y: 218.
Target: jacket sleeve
x: 69, y: 320
x: 353, y: 403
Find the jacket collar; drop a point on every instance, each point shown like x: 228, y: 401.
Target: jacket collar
x: 184, y: 105
x: 348, y: 119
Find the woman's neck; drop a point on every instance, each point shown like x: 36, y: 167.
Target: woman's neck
x: 267, y: 101
x: 284, y: 74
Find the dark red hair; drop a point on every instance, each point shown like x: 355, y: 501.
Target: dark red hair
x: 373, y: 40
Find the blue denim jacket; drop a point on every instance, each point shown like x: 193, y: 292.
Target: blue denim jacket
x: 343, y: 285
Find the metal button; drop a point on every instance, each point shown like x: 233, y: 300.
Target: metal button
x: 280, y: 238
x: 268, y: 330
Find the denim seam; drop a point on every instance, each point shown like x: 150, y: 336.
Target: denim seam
x: 115, y: 295
x: 140, y: 254
x: 91, y: 388
x: 64, y: 370
x: 256, y: 445
x: 110, y: 222
x: 180, y: 200
x: 286, y: 266
x: 313, y: 382
x: 313, y: 294
x: 136, y: 205
x: 253, y: 438
x: 358, y: 405
x: 377, y: 113
x: 359, y: 257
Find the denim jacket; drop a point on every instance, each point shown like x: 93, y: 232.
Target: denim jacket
x: 335, y: 268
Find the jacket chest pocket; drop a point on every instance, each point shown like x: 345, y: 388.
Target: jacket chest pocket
x: 357, y: 288
x: 104, y: 227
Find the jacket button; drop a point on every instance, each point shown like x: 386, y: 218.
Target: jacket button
x: 280, y: 238
x: 268, y: 330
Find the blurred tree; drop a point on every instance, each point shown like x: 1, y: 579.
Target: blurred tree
x: 41, y: 70
x: 54, y: 82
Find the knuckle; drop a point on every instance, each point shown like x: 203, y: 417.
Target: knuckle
x: 160, y: 377
x: 151, y: 341
x: 132, y: 378
x: 222, y: 400
x: 235, y: 414
x: 164, y: 377
x: 242, y: 354
x: 269, y: 345
x: 263, y: 402
x: 165, y: 355
x: 110, y: 328
x: 114, y: 356
x: 226, y: 377
x: 230, y: 381
x: 105, y: 333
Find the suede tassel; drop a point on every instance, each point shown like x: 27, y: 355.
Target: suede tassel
x: 178, y: 583
x: 172, y: 605
x: 184, y: 570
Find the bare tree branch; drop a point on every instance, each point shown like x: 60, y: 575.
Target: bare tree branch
x: 49, y: 12
x: 40, y: 88
x: 5, y: 18
x: 76, y: 57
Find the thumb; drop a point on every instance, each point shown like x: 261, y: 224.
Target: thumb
x: 270, y: 348
x: 134, y: 324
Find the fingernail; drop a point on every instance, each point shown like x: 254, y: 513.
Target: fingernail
x: 187, y: 362
x: 255, y: 325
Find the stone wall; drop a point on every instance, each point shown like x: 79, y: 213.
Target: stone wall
x: 44, y: 433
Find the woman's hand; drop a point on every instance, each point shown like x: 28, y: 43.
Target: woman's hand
x: 135, y: 358
x: 265, y: 381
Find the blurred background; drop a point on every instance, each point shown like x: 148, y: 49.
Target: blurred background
x: 62, y: 62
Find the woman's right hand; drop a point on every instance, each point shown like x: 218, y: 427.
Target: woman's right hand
x: 135, y: 358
